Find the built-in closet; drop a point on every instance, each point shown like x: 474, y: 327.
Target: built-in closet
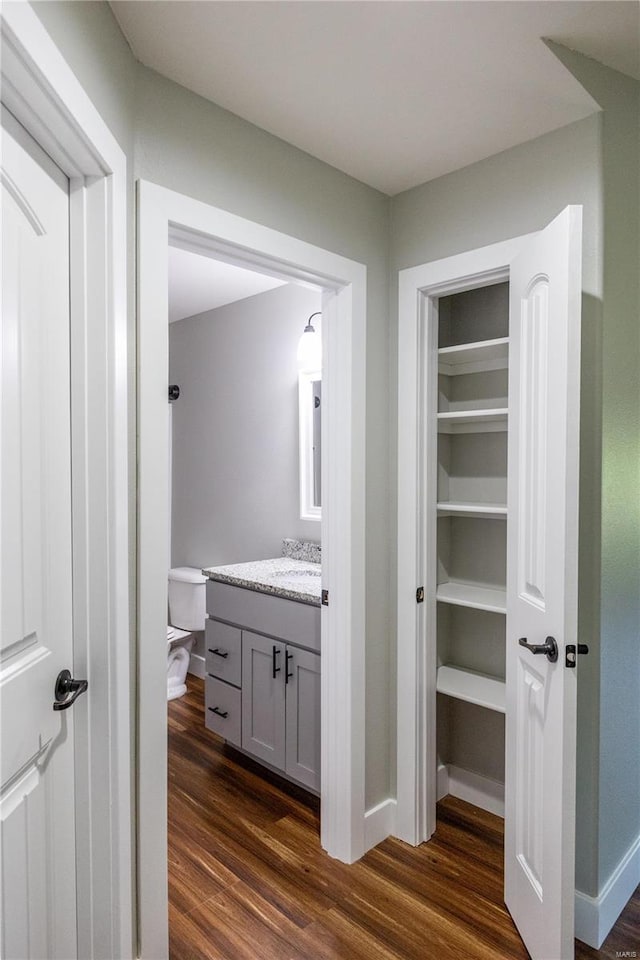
x: 488, y: 435
x: 471, y: 541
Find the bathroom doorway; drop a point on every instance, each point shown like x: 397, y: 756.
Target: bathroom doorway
x: 236, y: 465
x: 169, y: 219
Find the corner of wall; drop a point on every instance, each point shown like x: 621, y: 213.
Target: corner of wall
x: 617, y: 626
x: 379, y: 823
x: 595, y: 916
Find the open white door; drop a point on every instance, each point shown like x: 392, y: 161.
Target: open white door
x: 37, y: 793
x: 542, y: 564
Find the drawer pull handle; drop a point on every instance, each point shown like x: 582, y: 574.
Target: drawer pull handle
x: 274, y: 669
x: 287, y: 675
x: 221, y: 713
x: 220, y: 653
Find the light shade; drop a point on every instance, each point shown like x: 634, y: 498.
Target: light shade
x: 310, y: 349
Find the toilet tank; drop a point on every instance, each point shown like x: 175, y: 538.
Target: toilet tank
x: 187, y: 598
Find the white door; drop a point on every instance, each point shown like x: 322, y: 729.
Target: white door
x: 37, y: 788
x: 542, y: 586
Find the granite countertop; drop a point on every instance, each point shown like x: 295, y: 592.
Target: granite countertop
x: 282, y: 577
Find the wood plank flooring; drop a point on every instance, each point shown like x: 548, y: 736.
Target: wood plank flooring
x: 249, y: 881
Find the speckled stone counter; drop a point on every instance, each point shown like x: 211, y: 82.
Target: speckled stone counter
x: 282, y: 577
x: 302, y: 550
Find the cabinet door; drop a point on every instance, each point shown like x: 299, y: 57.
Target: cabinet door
x: 303, y: 716
x: 263, y: 698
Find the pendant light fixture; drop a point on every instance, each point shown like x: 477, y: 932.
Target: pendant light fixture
x: 310, y: 348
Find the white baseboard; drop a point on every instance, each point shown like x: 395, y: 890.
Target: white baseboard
x: 379, y: 823
x: 442, y: 781
x: 595, y: 916
x: 480, y: 791
x: 196, y: 665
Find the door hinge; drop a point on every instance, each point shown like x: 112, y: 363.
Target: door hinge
x: 420, y: 595
x: 325, y: 598
x: 570, y: 653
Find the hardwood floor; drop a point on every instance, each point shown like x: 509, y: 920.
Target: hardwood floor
x: 249, y: 881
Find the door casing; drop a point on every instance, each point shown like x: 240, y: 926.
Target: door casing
x: 416, y: 676
x: 165, y: 217
x: 41, y: 91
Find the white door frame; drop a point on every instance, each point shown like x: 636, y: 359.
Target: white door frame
x: 41, y: 91
x: 417, y: 471
x: 164, y: 215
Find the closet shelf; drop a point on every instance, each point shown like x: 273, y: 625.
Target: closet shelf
x: 473, y: 687
x: 473, y: 421
x: 474, y: 595
x: 474, y: 357
x: 472, y: 509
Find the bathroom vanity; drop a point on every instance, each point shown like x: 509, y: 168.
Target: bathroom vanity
x: 262, y: 642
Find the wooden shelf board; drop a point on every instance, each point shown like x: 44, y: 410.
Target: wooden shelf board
x: 472, y: 509
x: 472, y: 687
x: 474, y: 595
x: 474, y: 357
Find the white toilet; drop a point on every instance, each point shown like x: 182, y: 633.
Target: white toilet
x: 186, y: 615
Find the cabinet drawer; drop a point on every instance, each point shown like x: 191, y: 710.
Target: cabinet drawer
x: 287, y: 620
x: 223, y: 646
x: 223, y: 710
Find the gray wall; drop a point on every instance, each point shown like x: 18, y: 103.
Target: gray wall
x: 618, y: 775
x: 93, y: 45
x: 235, y: 429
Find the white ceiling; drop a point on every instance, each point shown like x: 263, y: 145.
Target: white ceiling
x: 393, y: 93
x: 198, y: 283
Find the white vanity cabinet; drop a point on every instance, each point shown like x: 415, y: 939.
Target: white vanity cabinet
x: 262, y: 686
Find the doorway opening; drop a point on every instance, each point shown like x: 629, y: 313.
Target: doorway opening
x: 460, y: 497
x: 457, y: 517
x: 486, y: 704
x: 243, y: 680
x: 169, y: 220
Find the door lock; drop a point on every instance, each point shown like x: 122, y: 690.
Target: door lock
x: 570, y: 653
